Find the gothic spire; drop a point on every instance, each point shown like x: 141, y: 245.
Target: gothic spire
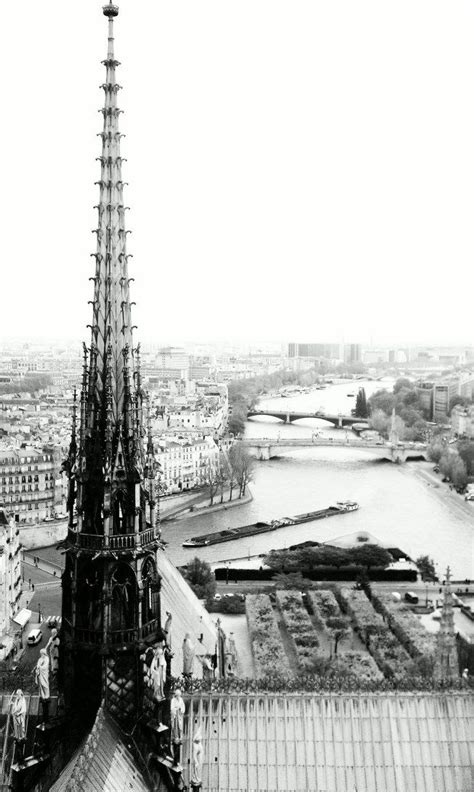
x: 111, y: 324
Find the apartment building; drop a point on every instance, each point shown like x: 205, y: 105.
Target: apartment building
x: 27, y: 483
x: 185, y: 462
x: 10, y: 570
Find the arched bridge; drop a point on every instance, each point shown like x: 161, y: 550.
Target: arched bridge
x: 266, y: 448
x: 287, y: 416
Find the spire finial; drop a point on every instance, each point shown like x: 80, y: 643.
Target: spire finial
x: 110, y: 10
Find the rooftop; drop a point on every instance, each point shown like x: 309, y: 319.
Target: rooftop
x: 382, y: 742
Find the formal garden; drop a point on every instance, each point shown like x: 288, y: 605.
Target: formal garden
x: 337, y: 633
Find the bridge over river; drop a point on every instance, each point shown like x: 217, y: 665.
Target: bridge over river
x: 266, y: 448
x: 288, y: 416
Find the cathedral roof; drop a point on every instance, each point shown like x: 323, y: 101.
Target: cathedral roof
x: 333, y: 742
x: 102, y: 763
x: 189, y: 616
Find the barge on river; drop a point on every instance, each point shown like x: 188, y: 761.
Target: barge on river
x: 230, y: 534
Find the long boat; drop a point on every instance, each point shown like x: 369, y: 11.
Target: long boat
x: 229, y: 534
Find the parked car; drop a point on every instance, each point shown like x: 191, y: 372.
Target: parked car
x: 436, y: 469
x: 34, y: 637
x: 469, y: 496
x: 411, y: 597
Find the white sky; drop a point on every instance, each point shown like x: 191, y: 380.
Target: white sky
x: 299, y: 170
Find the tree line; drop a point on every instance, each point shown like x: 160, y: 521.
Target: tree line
x: 233, y: 472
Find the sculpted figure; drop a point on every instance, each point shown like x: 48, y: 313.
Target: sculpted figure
x: 42, y: 674
x: 196, y: 767
x: 18, y: 711
x: 189, y: 650
x: 158, y: 672
x: 167, y: 628
x: 52, y: 647
x: 177, y: 723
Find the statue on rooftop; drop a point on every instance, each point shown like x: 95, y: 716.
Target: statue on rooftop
x: 18, y: 711
x: 158, y: 672
x: 177, y: 724
x: 196, y: 766
x: 189, y: 650
x: 167, y: 628
x: 52, y: 648
x: 42, y: 680
x: 42, y: 674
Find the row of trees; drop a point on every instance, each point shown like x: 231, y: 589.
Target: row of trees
x: 32, y: 385
x: 456, y: 462
x: 304, y: 560
x: 233, y: 471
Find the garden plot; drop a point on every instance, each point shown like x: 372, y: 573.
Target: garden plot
x: 267, y: 646
x: 406, y: 627
x: 387, y: 651
x: 299, y: 626
x: 327, y: 614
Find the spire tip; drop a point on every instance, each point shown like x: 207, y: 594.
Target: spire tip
x: 110, y: 10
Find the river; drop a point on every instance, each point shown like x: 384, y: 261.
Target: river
x: 397, y: 505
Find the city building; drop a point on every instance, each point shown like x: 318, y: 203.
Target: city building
x: 436, y: 394
x: 28, y: 483
x: 462, y: 421
x: 185, y: 462
x: 10, y: 570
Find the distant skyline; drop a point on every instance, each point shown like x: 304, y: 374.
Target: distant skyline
x: 297, y: 172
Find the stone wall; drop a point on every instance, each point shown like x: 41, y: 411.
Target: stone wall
x: 42, y: 534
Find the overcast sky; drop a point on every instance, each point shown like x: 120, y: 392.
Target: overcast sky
x: 298, y: 170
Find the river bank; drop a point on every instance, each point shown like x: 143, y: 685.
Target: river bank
x: 198, y: 510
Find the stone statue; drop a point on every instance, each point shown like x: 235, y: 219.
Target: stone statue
x: 196, y: 766
x: 52, y: 647
x: 177, y: 723
x: 230, y: 655
x: 42, y: 680
x: 18, y: 711
x: 189, y: 651
x: 207, y: 669
x: 42, y: 674
x: 158, y: 672
x: 167, y: 628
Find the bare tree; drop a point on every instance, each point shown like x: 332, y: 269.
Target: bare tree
x: 242, y: 466
x: 222, y: 473
x: 212, y: 481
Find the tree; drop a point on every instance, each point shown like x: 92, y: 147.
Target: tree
x: 212, y: 481
x: 222, y: 473
x: 201, y: 578
x: 363, y: 583
x: 402, y: 382
x: 338, y: 629
x: 461, y: 400
x: 458, y: 473
x: 370, y: 555
x: 426, y: 567
x: 382, y: 400
x: 466, y: 452
x: 236, y: 422
x: 435, y: 451
x: 380, y: 422
x: 242, y: 466
x: 361, y: 408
